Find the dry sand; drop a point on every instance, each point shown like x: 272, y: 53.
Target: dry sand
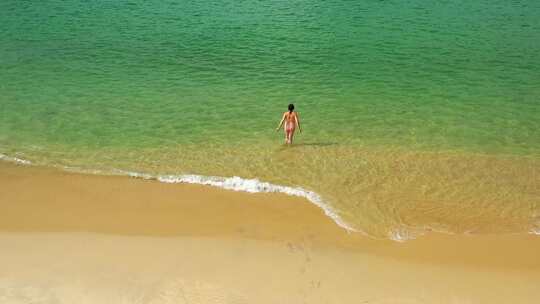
x: 74, y: 238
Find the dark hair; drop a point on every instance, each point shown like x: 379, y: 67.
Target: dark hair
x: 291, y: 108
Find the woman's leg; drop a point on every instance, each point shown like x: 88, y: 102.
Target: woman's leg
x: 291, y: 134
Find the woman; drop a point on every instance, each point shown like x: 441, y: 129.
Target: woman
x: 292, y: 121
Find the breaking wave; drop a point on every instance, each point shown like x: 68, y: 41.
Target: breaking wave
x: 236, y: 183
x: 16, y: 160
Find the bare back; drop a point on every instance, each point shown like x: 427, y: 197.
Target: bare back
x: 290, y: 117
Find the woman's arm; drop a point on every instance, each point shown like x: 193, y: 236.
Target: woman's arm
x: 298, y: 122
x: 281, y: 122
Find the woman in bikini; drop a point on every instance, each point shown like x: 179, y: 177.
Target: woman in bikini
x: 292, y: 121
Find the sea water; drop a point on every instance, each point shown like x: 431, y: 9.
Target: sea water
x: 416, y: 115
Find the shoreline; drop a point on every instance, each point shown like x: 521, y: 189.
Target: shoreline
x: 101, y: 217
x: 65, y: 201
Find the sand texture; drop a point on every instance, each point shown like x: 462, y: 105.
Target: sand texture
x: 74, y: 238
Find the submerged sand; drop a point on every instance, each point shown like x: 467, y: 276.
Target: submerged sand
x: 75, y: 238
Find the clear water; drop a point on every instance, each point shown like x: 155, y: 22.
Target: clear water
x: 416, y: 114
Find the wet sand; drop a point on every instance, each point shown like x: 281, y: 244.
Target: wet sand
x: 69, y: 237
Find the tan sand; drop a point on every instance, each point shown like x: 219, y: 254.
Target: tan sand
x: 74, y: 238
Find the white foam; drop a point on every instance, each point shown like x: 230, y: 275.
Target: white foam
x: 15, y: 160
x: 236, y: 183
x: 403, y: 234
x: 535, y: 231
x: 398, y: 236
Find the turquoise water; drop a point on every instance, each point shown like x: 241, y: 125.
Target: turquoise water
x: 199, y: 86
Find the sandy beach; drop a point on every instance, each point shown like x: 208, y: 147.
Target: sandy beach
x: 76, y: 238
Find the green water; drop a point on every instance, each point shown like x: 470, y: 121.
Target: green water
x: 199, y: 86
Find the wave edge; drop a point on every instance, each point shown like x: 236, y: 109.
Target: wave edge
x: 16, y: 160
x: 237, y: 183
x: 234, y: 183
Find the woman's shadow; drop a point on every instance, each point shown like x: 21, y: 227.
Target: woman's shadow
x: 308, y: 144
x: 316, y: 144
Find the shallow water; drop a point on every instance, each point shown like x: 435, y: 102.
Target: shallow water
x: 416, y: 114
